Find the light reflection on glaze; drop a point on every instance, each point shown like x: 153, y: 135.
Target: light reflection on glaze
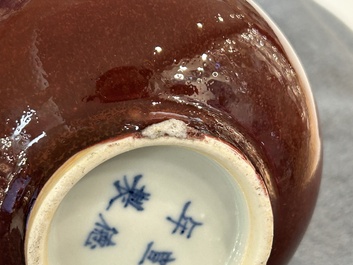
x: 13, y: 151
x: 221, y: 66
x: 201, y: 72
x: 14, y: 146
x: 38, y: 70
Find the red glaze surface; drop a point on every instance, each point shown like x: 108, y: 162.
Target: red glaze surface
x: 75, y: 73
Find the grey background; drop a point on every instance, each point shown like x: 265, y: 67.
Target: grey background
x: 325, y: 48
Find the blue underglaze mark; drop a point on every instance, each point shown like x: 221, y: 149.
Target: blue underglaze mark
x: 161, y: 257
x: 102, y: 235
x: 130, y: 195
x: 184, y: 223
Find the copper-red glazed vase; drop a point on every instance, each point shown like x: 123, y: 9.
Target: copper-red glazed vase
x: 141, y: 132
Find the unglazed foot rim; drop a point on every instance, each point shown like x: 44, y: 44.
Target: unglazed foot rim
x: 233, y: 218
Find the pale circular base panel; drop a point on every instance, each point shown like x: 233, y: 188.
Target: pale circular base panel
x: 163, y: 200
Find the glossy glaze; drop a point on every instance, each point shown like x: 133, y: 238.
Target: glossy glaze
x: 75, y: 73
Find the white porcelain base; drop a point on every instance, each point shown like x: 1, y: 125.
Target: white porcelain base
x: 167, y: 200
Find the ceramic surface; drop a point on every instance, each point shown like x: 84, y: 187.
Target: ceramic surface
x: 74, y: 74
x: 112, y: 202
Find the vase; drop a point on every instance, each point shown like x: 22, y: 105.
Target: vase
x: 140, y: 132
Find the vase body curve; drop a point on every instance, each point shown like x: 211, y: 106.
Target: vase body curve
x: 74, y: 74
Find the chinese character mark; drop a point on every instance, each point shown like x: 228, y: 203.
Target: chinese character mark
x: 130, y: 195
x: 184, y: 223
x: 101, y: 236
x: 161, y: 257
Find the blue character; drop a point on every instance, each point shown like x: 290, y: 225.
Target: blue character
x: 130, y: 194
x: 161, y: 257
x: 184, y: 223
x: 102, y: 235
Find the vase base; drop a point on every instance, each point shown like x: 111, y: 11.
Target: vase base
x: 141, y: 200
